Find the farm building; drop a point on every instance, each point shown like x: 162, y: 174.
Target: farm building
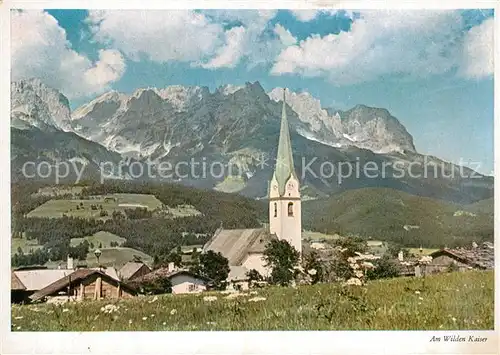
x: 84, y: 284
x: 182, y: 281
x: 461, y: 259
x: 133, y: 270
x: 26, y: 281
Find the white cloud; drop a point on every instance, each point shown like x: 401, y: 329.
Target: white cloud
x: 285, y: 36
x: 198, y: 38
x: 245, y: 41
x: 309, y: 15
x: 305, y: 15
x: 407, y: 43
x: 109, y: 68
x: 39, y: 48
x: 229, y: 55
x: 180, y: 35
x: 479, y: 51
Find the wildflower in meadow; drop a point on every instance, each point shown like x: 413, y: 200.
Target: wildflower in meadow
x: 20, y: 317
x: 65, y: 310
x: 210, y: 298
x: 173, y: 311
x: 19, y: 327
x: 354, y: 282
x: 253, y: 292
x: 109, y: 308
x: 453, y: 319
x: 367, y: 265
x: 257, y: 299
x: 417, y: 292
x: 164, y: 323
x: 152, y: 315
x: 144, y: 318
x: 130, y: 321
x: 421, y: 298
x: 312, y: 272
x: 359, y: 274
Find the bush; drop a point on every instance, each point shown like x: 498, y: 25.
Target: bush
x: 384, y: 268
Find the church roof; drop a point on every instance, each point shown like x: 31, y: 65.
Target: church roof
x: 284, y: 159
x: 236, y: 244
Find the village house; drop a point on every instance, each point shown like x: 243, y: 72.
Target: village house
x: 244, y: 248
x: 84, y: 284
x: 133, y: 270
x: 181, y: 280
x: 26, y: 281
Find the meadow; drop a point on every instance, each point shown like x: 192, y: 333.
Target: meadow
x: 450, y: 301
x: 100, y: 240
x: 56, y: 208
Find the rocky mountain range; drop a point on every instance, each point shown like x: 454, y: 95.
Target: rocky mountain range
x: 234, y: 126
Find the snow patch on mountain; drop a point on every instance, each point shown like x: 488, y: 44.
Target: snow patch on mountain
x: 229, y: 89
x: 363, y: 127
x: 182, y: 97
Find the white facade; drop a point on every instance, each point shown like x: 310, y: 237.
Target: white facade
x: 285, y: 213
x: 256, y: 261
x: 183, y: 283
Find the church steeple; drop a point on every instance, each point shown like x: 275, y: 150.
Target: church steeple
x: 284, y: 160
x: 285, y: 211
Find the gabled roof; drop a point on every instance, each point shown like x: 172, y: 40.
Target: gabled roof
x: 236, y: 244
x: 15, y: 283
x: 482, y: 258
x: 129, y: 269
x: 72, y: 278
x: 37, y: 279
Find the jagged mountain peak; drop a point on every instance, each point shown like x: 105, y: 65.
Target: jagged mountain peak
x: 39, y: 105
x: 362, y: 126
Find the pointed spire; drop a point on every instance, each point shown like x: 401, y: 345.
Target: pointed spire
x: 284, y: 160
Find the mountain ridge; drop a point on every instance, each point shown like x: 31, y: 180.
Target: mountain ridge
x: 239, y: 125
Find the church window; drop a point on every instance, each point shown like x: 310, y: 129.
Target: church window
x: 290, y: 209
x: 275, y: 209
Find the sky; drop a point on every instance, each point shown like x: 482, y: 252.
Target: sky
x: 431, y: 69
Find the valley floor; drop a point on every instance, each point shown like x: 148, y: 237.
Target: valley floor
x: 462, y: 300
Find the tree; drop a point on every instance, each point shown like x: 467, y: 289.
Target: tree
x: 282, y: 258
x: 313, y: 267
x: 351, y: 245
x: 156, y: 287
x: 384, y: 268
x: 213, y: 266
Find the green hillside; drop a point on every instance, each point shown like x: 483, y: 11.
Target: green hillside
x: 392, y: 215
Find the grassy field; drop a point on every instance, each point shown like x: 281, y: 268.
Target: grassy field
x: 317, y: 236
x: 109, y: 203
x: 116, y: 257
x: 27, y: 245
x: 100, y: 238
x: 184, y: 211
x: 446, y: 301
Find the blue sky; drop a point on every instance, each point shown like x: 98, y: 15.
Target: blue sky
x: 433, y: 70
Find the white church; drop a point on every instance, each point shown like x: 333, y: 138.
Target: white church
x: 244, y: 247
